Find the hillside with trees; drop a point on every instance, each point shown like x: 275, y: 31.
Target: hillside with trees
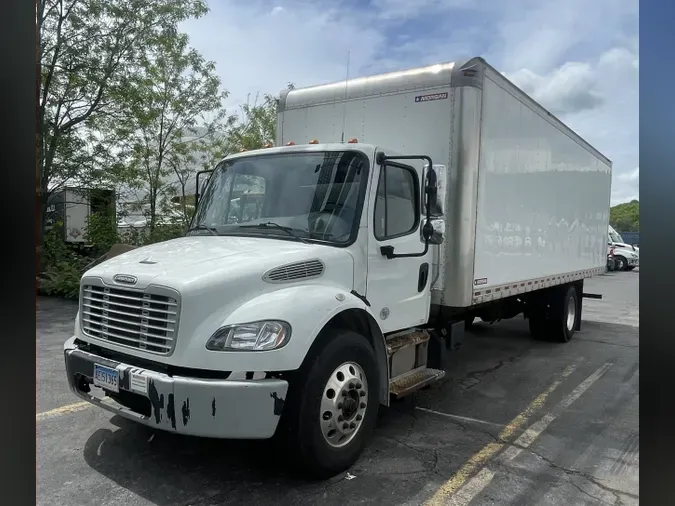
x: 625, y: 217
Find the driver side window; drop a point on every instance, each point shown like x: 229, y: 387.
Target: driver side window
x: 247, y: 195
x: 397, y: 202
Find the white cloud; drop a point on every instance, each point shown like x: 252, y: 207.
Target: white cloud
x: 626, y: 186
x: 568, y: 89
x: 630, y: 177
x: 578, y: 57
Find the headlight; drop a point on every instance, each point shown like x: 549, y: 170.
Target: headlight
x: 255, y: 336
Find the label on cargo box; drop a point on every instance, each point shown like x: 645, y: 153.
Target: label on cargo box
x: 480, y: 281
x: 429, y: 98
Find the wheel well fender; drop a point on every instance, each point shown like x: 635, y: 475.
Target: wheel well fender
x: 361, y: 321
x: 314, y: 312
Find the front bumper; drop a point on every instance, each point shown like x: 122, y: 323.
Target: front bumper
x: 633, y: 262
x: 228, y: 409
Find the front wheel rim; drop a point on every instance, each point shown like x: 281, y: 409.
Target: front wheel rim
x: 343, y: 404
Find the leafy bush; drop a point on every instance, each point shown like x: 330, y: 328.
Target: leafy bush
x: 101, y: 233
x: 62, y: 279
x: 63, y: 266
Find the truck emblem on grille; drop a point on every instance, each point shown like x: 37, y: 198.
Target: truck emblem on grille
x: 125, y: 278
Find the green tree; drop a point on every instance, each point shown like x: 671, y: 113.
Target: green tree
x: 625, y: 217
x: 256, y: 126
x: 87, y: 50
x: 176, y: 95
x: 200, y: 151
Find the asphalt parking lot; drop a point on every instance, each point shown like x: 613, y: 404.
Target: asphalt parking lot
x: 514, y: 422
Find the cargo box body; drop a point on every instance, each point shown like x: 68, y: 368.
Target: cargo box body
x: 525, y: 199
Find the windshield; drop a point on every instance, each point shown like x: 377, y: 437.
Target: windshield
x: 614, y: 235
x: 305, y: 196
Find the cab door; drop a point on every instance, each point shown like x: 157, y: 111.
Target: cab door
x: 398, y: 289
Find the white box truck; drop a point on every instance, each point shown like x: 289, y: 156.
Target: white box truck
x: 322, y: 277
x: 72, y: 207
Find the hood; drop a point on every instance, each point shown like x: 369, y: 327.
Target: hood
x: 201, y: 260
x: 625, y: 249
x: 627, y: 246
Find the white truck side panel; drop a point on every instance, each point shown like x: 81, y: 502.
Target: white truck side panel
x: 543, y: 196
x: 385, y: 111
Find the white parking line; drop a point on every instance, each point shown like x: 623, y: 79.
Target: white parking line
x: 474, y: 487
x: 478, y: 483
x: 461, y: 418
x: 533, y: 432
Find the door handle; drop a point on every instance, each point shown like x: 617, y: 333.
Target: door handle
x: 423, y: 277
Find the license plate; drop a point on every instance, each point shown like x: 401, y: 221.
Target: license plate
x: 106, y: 378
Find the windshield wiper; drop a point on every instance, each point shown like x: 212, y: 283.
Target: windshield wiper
x: 269, y: 224
x: 204, y: 227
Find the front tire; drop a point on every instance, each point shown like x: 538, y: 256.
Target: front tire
x: 332, y: 405
x: 620, y: 263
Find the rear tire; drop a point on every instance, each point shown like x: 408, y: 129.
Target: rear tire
x: 558, y: 321
x: 332, y: 406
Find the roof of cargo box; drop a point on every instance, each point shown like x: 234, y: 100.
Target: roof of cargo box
x: 458, y: 73
x: 360, y: 87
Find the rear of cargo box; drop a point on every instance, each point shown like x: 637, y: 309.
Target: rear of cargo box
x: 541, y: 197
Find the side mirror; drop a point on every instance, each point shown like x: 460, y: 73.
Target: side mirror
x: 437, y: 231
x: 428, y: 231
x: 431, y: 190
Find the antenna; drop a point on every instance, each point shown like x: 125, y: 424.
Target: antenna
x: 344, y: 108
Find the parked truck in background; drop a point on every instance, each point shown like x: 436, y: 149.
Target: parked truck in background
x: 626, y: 256
x: 71, y: 208
x: 327, y: 275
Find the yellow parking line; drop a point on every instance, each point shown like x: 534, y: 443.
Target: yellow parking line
x: 443, y: 494
x: 69, y: 408
x: 63, y: 410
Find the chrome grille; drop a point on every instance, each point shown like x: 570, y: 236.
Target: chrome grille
x: 136, y: 319
x: 294, y: 271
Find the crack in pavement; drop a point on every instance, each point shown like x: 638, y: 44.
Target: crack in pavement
x: 588, y: 477
x: 569, y: 481
x: 433, y: 453
x: 631, y: 346
x: 569, y: 473
x: 500, y: 364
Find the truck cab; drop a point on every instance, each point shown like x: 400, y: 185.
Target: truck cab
x: 275, y: 302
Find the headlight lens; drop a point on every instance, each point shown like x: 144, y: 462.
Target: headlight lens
x: 255, y: 336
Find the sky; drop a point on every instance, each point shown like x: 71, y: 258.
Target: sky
x: 578, y: 58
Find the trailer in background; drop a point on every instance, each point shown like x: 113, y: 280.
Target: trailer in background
x: 71, y: 208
